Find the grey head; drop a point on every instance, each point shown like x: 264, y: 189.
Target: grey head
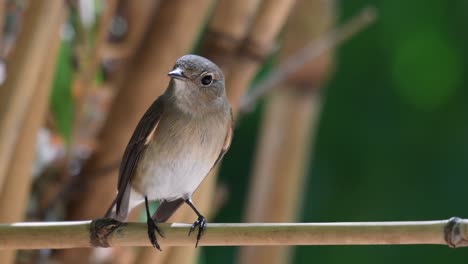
x: 197, y: 84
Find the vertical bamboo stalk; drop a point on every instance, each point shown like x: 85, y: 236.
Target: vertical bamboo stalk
x: 2, y: 24
x: 89, y: 57
x: 267, y: 23
x: 171, y: 254
x: 258, y: 44
x: 203, y: 198
x: 289, y: 124
x: 137, y: 15
x: 227, y: 30
x: 171, y: 35
x: 24, y: 69
x: 276, y: 190
x: 18, y: 181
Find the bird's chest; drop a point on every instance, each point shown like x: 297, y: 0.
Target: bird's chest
x: 178, y: 159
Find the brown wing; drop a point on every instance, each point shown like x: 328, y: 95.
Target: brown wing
x: 167, y: 208
x: 227, y: 142
x: 143, y: 134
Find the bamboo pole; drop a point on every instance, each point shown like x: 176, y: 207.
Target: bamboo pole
x: 146, y: 79
x: 89, y: 49
x: 106, y: 232
x: 227, y: 30
x: 137, y: 15
x: 204, y: 199
x: 172, y: 34
x: 2, y: 24
x: 279, y: 173
x: 17, y: 185
x: 258, y: 44
x: 221, y: 45
x: 149, y: 256
x: 310, y: 52
x: 25, y: 66
x: 289, y: 123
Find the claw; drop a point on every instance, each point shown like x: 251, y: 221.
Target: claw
x: 201, y: 223
x: 152, y: 228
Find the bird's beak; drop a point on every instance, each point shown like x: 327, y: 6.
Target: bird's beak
x: 177, y: 73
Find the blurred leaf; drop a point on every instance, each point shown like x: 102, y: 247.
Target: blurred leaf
x: 61, y: 98
x: 427, y: 69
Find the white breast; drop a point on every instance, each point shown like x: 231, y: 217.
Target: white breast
x: 175, y: 167
x: 174, y: 178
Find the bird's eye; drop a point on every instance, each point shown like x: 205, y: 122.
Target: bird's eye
x: 207, y: 79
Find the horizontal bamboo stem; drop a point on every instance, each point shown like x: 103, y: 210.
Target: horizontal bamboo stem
x: 108, y: 232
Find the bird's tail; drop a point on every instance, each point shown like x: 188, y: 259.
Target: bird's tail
x: 112, y: 212
x: 166, y: 209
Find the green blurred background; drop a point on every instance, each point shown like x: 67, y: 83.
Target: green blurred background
x: 392, y: 141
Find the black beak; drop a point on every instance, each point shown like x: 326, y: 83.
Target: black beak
x: 177, y: 73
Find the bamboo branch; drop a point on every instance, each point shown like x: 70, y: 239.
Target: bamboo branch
x: 257, y: 45
x: 226, y: 31
x: 107, y: 232
x: 289, y: 123
x: 137, y: 15
x: 23, y: 73
x: 145, y: 79
x: 3, y: 12
x: 17, y: 185
x: 311, y: 51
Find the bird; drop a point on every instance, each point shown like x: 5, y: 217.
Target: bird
x: 181, y: 137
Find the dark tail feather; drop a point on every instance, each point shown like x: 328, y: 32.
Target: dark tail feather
x: 111, y: 212
x: 116, y: 212
x: 166, y: 209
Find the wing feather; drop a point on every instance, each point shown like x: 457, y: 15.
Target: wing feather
x: 143, y: 135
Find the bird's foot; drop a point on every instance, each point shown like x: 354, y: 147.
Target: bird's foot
x: 152, y: 229
x: 202, y: 224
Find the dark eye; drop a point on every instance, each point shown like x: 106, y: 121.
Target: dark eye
x: 207, y: 79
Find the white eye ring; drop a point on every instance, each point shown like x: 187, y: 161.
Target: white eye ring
x: 207, y: 80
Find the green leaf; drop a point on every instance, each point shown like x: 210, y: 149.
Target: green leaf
x: 62, y: 104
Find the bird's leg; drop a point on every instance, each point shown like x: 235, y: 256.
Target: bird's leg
x: 201, y: 222
x: 152, y: 227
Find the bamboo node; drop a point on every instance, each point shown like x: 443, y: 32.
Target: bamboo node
x: 101, y: 229
x: 255, y: 52
x: 221, y: 40
x: 453, y: 234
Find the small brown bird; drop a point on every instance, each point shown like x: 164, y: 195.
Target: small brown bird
x: 177, y: 142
